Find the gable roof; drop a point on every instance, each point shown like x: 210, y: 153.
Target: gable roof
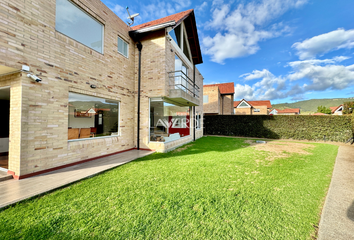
x: 173, y: 21
x: 255, y: 103
x: 334, y: 109
x: 224, y: 88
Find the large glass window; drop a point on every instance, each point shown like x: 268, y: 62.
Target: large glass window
x: 181, y: 73
x: 122, y: 47
x: 91, y: 117
x: 168, y: 122
x: 77, y: 24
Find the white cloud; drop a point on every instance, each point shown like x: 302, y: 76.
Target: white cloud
x: 159, y: 9
x: 257, y: 74
x: 323, y: 74
x: 202, y: 7
x: 243, y: 91
x: 240, y: 30
x: 269, y: 88
x: 316, y: 75
x: 324, y: 43
x: 152, y: 11
x: 120, y: 11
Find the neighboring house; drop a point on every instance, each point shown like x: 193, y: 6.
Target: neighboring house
x: 289, y: 111
x: 218, y: 99
x: 337, y: 110
x: 87, y: 103
x: 244, y: 107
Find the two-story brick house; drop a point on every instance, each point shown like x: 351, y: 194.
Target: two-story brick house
x: 260, y: 107
x: 218, y: 99
x: 70, y: 74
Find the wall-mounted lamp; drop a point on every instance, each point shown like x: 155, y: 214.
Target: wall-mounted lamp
x: 93, y: 86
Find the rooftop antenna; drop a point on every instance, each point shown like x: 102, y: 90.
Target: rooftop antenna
x: 131, y: 17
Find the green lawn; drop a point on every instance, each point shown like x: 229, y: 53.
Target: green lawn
x: 216, y: 188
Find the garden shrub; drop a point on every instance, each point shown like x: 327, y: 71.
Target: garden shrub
x: 300, y: 127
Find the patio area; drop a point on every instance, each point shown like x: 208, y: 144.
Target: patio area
x: 12, y: 191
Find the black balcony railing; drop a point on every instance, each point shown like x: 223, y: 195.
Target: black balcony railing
x: 180, y: 80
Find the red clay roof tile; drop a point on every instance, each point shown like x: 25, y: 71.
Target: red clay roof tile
x: 224, y: 88
x: 175, y: 17
x: 333, y: 109
x: 289, y: 110
x: 256, y: 103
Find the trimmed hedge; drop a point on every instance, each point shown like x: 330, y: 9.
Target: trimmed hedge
x: 300, y: 127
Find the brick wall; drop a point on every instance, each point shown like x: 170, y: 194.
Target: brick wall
x: 28, y: 36
x: 263, y: 110
x: 243, y: 111
x: 228, y: 104
x: 39, y: 111
x: 213, y: 106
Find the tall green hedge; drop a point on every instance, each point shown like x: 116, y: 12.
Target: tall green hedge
x: 301, y: 127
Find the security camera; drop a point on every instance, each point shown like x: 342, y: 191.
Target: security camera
x: 34, y: 77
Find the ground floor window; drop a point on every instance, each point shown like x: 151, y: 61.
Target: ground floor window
x: 168, y: 121
x: 197, y: 120
x: 91, y: 117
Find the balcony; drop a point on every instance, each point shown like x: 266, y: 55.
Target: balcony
x: 182, y: 89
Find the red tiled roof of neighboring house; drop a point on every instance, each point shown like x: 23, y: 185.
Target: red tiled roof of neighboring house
x: 224, y: 88
x: 333, y: 109
x: 319, y: 114
x: 289, y: 110
x: 256, y: 103
x: 175, y: 17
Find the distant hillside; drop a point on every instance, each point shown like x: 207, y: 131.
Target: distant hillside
x: 309, y: 106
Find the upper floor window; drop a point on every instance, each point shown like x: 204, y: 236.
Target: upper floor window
x: 122, y: 47
x: 257, y: 110
x: 78, y: 25
x: 205, y: 98
x: 179, y: 36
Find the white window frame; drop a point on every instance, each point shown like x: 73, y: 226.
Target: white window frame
x: 257, y: 110
x: 127, y: 47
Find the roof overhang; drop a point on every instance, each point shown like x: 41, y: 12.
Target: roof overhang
x: 191, y: 28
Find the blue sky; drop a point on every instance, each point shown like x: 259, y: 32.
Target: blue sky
x: 278, y: 50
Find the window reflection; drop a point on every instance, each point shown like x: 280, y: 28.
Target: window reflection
x: 168, y: 122
x: 77, y: 24
x: 92, y: 117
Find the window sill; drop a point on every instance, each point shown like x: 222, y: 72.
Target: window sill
x: 93, y: 138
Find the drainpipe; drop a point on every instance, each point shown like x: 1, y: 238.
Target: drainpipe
x: 140, y: 47
x: 194, y: 124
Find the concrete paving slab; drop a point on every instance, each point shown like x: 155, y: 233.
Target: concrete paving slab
x: 337, y: 219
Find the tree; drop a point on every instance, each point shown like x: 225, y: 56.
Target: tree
x: 323, y: 109
x: 348, y: 107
